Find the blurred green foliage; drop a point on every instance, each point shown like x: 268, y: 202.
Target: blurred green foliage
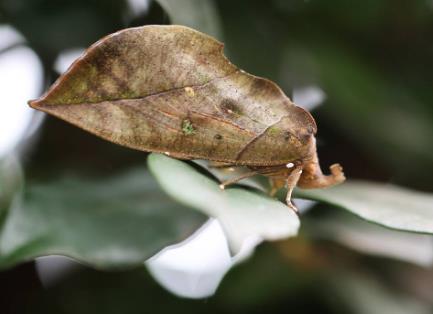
x: 112, y: 223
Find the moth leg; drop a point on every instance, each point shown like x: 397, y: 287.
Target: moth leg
x: 292, y: 180
x: 238, y: 178
x: 276, y: 184
x: 313, y: 178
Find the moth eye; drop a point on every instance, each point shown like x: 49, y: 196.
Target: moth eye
x: 229, y: 106
x: 218, y: 137
x: 287, y: 135
x: 305, y: 135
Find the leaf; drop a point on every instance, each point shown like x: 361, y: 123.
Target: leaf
x: 248, y: 287
x: 11, y: 181
x: 194, y: 268
x: 198, y: 14
x: 372, y: 239
x: 243, y: 214
x: 365, y: 294
x: 385, y: 204
x: 113, y: 223
x: 170, y: 89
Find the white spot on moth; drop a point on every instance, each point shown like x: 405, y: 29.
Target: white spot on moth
x: 167, y: 153
x: 222, y: 186
x: 290, y: 165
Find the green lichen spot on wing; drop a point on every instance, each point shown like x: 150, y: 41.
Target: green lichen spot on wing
x: 187, y: 127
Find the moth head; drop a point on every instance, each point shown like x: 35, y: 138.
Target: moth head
x: 300, y: 127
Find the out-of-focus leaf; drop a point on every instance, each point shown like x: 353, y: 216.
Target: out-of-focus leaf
x: 199, y: 14
x: 113, y: 223
x: 264, y: 282
x: 388, y: 205
x: 11, y: 181
x: 365, y: 295
x: 372, y: 239
x: 194, y: 268
x: 243, y: 214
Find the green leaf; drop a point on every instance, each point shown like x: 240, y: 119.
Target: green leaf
x: 363, y: 293
x: 372, y: 239
x: 113, y: 223
x: 11, y: 180
x: 243, y: 214
x: 385, y: 204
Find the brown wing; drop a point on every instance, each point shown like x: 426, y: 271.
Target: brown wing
x: 170, y: 89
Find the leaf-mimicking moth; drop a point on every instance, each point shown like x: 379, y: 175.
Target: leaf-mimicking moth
x: 170, y: 89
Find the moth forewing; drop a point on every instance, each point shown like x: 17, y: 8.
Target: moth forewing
x: 170, y: 89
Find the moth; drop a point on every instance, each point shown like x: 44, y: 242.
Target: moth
x: 170, y: 89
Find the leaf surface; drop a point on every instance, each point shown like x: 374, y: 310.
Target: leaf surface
x: 372, y: 239
x: 110, y: 224
x: 388, y: 205
x: 244, y: 215
x: 11, y: 182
